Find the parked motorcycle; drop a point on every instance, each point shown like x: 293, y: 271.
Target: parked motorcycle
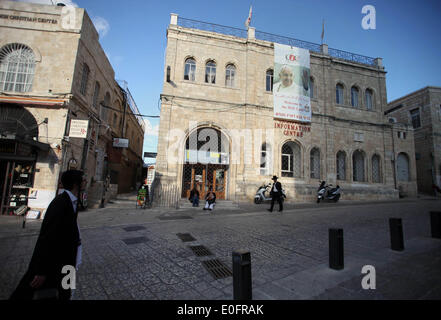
x: 325, y: 192
x: 262, y: 194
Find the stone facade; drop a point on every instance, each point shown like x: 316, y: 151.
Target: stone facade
x: 424, y: 104
x: 64, y: 41
x: 247, y: 105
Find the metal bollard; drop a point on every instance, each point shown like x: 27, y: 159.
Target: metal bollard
x: 242, y: 275
x: 435, y: 224
x: 396, y: 234
x: 336, y: 253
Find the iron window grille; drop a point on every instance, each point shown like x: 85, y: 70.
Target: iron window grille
x: 17, y: 68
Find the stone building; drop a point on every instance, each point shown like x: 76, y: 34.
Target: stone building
x: 422, y: 111
x: 53, y: 72
x: 219, y: 79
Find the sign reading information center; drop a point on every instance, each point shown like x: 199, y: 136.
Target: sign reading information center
x: 291, y: 83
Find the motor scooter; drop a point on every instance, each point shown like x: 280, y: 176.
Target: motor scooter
x: 262, y: 194
x: 325, y: 192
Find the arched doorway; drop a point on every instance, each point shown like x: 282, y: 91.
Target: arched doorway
x: 206, y: 162
x: 18, y: 154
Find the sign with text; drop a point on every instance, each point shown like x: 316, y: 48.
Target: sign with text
x: 291, y: 83
x: 292, y: 129
x: 120, y: 143
x: 78, y: 128
x: 150, y: 154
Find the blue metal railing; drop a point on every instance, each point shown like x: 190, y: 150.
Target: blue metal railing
x: 242, y: 33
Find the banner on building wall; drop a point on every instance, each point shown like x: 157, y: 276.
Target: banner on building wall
x: 78, y: 128
x: 120, y: 143
x: 291, y: 83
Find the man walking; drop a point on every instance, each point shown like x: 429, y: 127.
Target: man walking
x: 276, y: 194
x: 58, y: 244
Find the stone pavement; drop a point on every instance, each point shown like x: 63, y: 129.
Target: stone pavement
x: 289, y: 252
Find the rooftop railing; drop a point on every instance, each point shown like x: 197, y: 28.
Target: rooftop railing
x: 242, y: 33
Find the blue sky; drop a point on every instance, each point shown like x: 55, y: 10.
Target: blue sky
x: 407, y: 37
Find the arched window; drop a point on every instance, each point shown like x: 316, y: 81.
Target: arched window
x: 265, y: 159
x: 210, y: 72
x: 291, y: 159
x: 315, y: 163
x: 339, y: 94
x: 269, y: 80
x: 84, y: 79
x: 341, y: 165
x: 358, y: 166
x: 96, y: 94
x: 17, y: 67
x: 104, y: 110
x: 403, y: 172
x: 369, y: 97
x: 311, y: 88
x: 230, y: 75
x: 354, y: 97
x: 376, y: 170
x: 190, y: 69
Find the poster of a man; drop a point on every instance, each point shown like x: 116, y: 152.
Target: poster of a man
x: 291, y: 88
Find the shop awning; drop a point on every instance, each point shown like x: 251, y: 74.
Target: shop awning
x: 32, y: 100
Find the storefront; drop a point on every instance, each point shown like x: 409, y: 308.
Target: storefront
x: 18, y: 157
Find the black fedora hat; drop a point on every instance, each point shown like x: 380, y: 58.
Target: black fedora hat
x: 274, y: 178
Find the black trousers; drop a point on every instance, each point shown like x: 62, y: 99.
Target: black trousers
x: 277, y: 197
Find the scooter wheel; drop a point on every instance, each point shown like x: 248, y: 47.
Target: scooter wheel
x: 318, y: 200
x: 257, y: 200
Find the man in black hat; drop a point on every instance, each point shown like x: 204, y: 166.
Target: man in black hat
x: 58, y: 244
x: 276, y: 194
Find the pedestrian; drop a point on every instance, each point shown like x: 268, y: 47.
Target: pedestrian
x: 194, y: 196
x: 58, y: 245
x: 276, y: 194
x: 210, y: 199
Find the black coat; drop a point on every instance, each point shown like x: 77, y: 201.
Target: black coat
x: 56, y: 247
x: 279, y: 189
x: 212, y: 200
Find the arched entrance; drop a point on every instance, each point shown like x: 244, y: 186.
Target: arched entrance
x: 206, y: 162
x: 18, y: 154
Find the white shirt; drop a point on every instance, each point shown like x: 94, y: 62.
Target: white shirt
x: 293, y: 88
x: 75, y: 205
x: 275, y: 189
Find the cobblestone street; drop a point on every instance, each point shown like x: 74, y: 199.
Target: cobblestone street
x: 289, y: 252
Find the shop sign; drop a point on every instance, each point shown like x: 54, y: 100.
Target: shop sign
x: 78, y: 128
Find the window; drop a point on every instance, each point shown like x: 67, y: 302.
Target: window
x: 115, y: 120
x: 190, y: 70
x: 265, y: 158
x: 354, y: 97
x: 210, y: 72
x: 269, y: 80
x: 104, y: 109
x: 339, y: 94
x: 369, y: 99
x: 315, y: 163
x: 84, y: 79
x: 401, y: 134
x: 341, y: 165
x: 291, y: 159
x: 358, y: 166
x: 311, y: 88
x: 403, y: 173
x: 376, y: 174
x: 17, y: 67
x: 96, y: 94
x: 230, y: 74
x: 415, y: 118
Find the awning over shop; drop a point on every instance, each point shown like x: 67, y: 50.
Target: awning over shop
x: 32, y: 100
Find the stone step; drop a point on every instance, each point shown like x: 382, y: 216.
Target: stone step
x: 220, y: 204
